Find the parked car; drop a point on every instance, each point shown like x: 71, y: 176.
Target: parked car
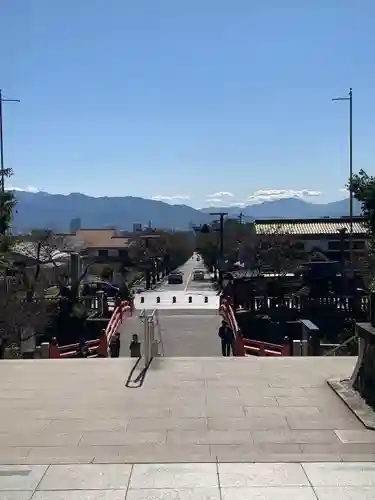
x: 198, y: 276
x: 175, y: 279
x: 93, y: 287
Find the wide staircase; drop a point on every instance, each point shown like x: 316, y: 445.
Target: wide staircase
x: 166, y: 427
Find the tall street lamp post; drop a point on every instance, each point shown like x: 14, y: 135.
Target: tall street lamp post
x: 349, y: 98
x: 221, y: 215
x: 2, y: 169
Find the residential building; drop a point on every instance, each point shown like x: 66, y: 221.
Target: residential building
x: 101, y: 244
x: 328, y: 235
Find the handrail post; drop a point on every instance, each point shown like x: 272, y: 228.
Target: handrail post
x: 240, y: 346
x: 285, y: 349
x: 309, y: 336
x: 103, y: 344
x: 54, y: 351
x: 296, y: 347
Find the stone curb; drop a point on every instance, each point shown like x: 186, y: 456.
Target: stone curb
x: 354, y: 402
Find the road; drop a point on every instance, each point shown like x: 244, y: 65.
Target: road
x: 188, y: 283
x: 187, y: 331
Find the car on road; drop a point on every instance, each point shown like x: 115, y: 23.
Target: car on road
x: 198, y: 276
x: 94, y: 286
x: 175, y: 279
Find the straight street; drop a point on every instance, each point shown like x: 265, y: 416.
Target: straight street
x: 186, y: 331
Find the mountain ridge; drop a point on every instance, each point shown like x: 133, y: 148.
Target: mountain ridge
x: 41, y: 209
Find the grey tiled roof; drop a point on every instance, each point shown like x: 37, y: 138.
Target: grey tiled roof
x: 310, y: 227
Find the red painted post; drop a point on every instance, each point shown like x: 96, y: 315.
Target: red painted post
x: 285, y: 349
x: 240, y: 346
x: 54, y: 351
x: 103, y: 345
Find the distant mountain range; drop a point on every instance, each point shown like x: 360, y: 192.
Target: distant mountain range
x: 40, y: 210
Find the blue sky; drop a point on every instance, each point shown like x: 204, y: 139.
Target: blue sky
x: 182, y: 99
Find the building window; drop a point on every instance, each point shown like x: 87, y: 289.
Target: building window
x: 299, y: 245
x: 103, y: 253
x: 359, y: 245
x: 123, y: 254
x: 334, y: 245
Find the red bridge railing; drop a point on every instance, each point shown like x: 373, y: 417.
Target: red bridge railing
x: 247, y: 347
x: 98, y: 347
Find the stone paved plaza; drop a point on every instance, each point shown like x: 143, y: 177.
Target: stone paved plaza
x: 188, y: 410
x: 198, y: 429
x: 192, y: 481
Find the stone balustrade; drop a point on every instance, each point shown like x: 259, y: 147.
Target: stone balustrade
x: 363, y: 377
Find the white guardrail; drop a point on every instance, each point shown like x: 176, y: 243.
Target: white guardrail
x: 170, y: 300
x: 153, y: 342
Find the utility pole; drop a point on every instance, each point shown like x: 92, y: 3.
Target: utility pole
x: 221, y: 215
x: 2, y: 169
x: 149, y: 260
x: 349, y: 98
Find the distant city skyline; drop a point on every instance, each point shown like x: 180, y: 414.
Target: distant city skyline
x: 187, y: 102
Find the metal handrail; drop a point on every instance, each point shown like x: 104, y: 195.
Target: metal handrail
x: 150, y: 321
x: 338, y: 347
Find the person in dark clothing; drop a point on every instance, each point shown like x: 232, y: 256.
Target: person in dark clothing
x: 227, y: 339
x: 135, y: 347
x: 83, y: 350
x: 115, y: 346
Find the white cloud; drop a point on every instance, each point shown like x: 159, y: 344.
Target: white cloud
x: 29, y: 189
x: 219, y: 195
x: 238, y: 204
x: 277, y: 194
x: 344, y: 190
x: 170, y: 198
x: 215, y: 201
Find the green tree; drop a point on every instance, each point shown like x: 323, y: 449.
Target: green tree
x: 238, y: 242
x: 20, y: 319
x: 107, y: 273
x: 7, y: 206
x: 157, y: 252
x: 363, y: 188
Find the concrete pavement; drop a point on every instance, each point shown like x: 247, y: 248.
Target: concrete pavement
x: 198, y: 429
x: 194, y: 481
x: 188, y: 410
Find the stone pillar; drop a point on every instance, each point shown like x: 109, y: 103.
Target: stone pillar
x: 44, y: 350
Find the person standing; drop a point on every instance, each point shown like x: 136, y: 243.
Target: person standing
x: 227, y: 339
x: 115, y: 346
x: 135, y: 347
